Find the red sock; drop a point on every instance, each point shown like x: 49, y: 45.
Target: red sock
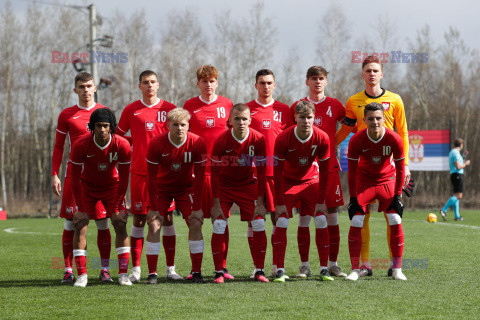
x: 81, y: 262
x: 281, y: 245
x: 274, y: 251
x: 250, y: 240
x: 67, y: 246
x: 396, y: 243
x: 355, y: 246
x: 303, y: 240
x: 321, y: 239
x: 169, y: 243
x: 334, y: 241
x: 259, y: 248
x: 123, y: 259
x: 227, y: 238
x: 136, y: 247
x: 152, y: 260
x: 104, y: 243
x: 218, y: 250
x: 196, y: 261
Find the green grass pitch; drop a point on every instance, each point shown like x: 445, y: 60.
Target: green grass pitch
x: 441, y: 262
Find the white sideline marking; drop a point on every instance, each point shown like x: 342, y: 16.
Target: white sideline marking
x: 13, y: 230
x: 445, y: 224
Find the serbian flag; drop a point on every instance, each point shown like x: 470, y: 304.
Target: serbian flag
x: 429, y: 150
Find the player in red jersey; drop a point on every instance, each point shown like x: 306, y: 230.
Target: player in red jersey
x: 372, y: 175
x: 95, y: 158
x: 172, y: 158
x: 235, y: 155
x: 72, y: 123
x: 328, y: 112
x: 209, y: 113
x: 297, y: 180
x: 145, y: 119
x: 269, y: 117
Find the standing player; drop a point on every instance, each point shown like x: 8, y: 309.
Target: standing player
x: 235, y: 155
x: 145, y: 119
x: 72, y: 122
x: 457, y: 165
x: 371, y: 175
x: 297, y: 181
x: 209, y: 113
x: 269, y: 117
x: 172, y: 158
x: 372, y: 73
x: 95, y: 158
x: 328, y: 112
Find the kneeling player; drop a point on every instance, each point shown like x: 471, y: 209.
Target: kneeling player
x: 297, y: 180
x: 236, y: 153
x: 372, y: 175
x: 99, y: 153
x: 172, y: 158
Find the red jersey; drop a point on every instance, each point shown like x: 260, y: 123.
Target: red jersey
x: 328, y: 112
x: 144, y: 123
x: 72, y: 122
x: 295, y: 159
x: 209, y: 119
x: 270, y: 120
x: 372, y: 160
x: 174, y: 167
x: 234, y: 161
x: 99, y: 163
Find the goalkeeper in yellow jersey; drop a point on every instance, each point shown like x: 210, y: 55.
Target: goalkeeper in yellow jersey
x: 372, y: 73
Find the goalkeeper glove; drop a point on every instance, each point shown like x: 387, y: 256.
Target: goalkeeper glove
x: 354, y: 207
x: 408, y: 189
x: 396, y: 205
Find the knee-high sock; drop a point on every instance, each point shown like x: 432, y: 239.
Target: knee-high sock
x: 80, y: 260
x: 218, y: 243
x: 281, y: 241
x: 250, y: 239
x: 355, y: 246
x: 450, y: 202
x: 321, y: 239
x: 67, y: 244
x: 136, y: 242
x: 152, y: 250
x: 333, y: 236
x: 104, y: 242
x: 389, y: 235
x: 227, y: 239
x: 169, y: 239
x: 303, y: 240
x: 456, y: 208
x: 196, y: 254
x: 274, y: 253
x: 259, y: 243
x: 396, y: 243
x: 365, y: 252
x: 123, y: 255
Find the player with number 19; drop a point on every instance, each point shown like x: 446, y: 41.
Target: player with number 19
x: 209, y: 113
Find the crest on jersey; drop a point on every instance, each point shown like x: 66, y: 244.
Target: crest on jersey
x: 210, y: 122
x: 417, y: 152
x: 176, y: 166
x: 102, y: 167
x: 241, y: 162
x: 138, y: 206
x: 69, y: 209
x: 376, y: 160
x: 303, y: 161
x: 386, y: 106
x: 149, y: 125
x: 318, y: 121
x: 266, y: 124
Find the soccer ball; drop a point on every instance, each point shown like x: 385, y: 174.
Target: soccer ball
x: 432, y: 218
